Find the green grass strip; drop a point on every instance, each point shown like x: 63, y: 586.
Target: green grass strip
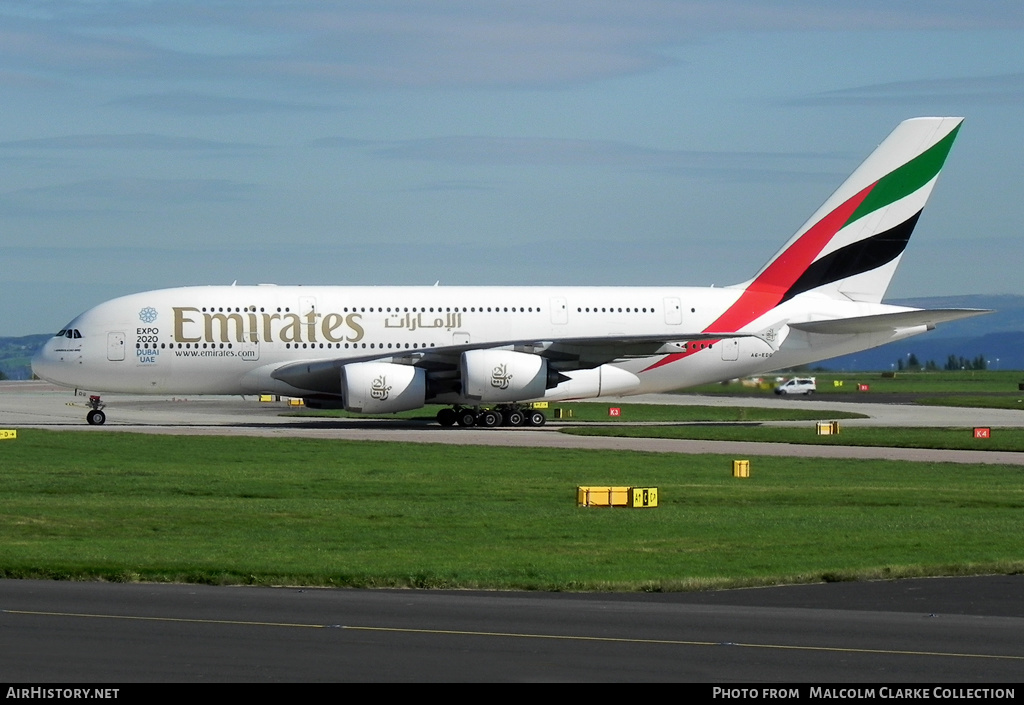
x: 880, y: 384
x: 1001, y: 439
x: 81, y: 505
x: 1013, y: 401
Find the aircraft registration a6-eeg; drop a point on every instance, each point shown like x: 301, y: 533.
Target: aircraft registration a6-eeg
x: 485, y: 352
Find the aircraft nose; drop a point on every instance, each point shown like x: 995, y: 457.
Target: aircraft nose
x: 50, y: 364
x: 42, y: 361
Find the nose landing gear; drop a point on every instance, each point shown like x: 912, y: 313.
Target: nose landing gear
x: 96, y: 417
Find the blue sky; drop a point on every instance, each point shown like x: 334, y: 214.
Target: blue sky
x: 154, y: 144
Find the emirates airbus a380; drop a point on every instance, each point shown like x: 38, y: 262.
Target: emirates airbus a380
x: 485, y: 352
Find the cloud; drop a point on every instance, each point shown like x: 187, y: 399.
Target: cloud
x: 192, y: 103
x: 980, y: 90
x: 451, y: 186
x: 21, y: 80
x: 538, y: 151
x: 153, y: 190
x: 449, y: 43
x: 121, y: 195
x: 122, y: 142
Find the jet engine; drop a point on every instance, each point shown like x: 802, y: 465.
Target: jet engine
x: 382, y: 387
x: 503, y: 375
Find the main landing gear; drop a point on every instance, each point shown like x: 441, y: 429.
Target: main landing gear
x: 95, y: 417
x: 490, y: 418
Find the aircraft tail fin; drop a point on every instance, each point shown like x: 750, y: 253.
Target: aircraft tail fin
x: 850, y: 247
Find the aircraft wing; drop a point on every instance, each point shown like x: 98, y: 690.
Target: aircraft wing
x: 888, y: 321
x: 563, y: 355
x: 586, y: 353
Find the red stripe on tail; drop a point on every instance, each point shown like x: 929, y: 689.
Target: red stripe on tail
x: 766, y: 291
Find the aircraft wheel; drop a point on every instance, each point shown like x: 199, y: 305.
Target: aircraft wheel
x: 466, y: 418
x: 489, y: 419
x: 514, y: 417
x: 96, y: 417
x: 446, y: 417
x: 536, y: 418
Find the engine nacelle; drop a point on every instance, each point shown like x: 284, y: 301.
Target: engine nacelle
x: 503, y: 375
x: 603, y: 381
x: 382, y: 387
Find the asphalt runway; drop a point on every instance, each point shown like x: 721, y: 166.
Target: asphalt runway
x: 949, y: 630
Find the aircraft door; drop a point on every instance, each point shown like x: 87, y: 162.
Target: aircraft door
x: 559, y: 311
x: 250, y: 349
x: 115, y: 346
x: 730, y: 349
x: 673, y: 311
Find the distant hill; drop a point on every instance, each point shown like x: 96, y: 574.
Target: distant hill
x: 16, y: 354
x: 998, y: 337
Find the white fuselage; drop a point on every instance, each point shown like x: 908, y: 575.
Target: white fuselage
x: 228, y: 340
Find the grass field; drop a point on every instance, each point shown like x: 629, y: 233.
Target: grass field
x: 297, y: 511
x: 1001, y: 401
x: 942, y: 383
x: 1001, y: 439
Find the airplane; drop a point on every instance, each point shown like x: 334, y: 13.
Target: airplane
x: 487, y: 352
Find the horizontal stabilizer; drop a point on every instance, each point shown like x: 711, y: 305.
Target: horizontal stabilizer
x: 888, y: 321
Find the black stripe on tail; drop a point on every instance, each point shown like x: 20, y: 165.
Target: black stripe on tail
x: 857, y: 258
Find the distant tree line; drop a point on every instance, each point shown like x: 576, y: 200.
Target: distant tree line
x: 953, y: 362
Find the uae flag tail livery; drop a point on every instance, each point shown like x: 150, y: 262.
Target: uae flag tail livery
x: 829, y: 279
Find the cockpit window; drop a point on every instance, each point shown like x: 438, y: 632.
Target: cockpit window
x: 61, y: 333
x: 69, y: 333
